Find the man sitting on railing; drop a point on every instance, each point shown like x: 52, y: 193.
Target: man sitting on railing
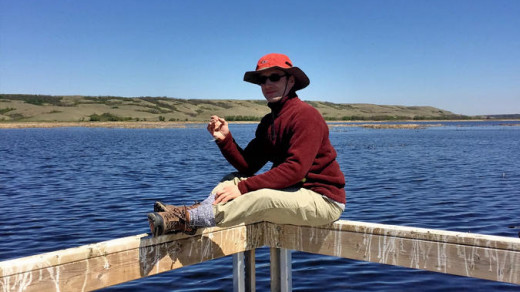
x: 305, y: 185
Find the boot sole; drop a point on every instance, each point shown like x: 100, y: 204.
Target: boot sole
x: 156, y: 224
x: 159, y: 207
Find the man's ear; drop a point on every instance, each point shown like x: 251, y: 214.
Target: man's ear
x: 292, y: 80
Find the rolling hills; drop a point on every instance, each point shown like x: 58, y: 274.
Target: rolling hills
x: 47, y: 108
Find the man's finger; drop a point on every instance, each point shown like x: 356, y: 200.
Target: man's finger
x: 225, y: 200
x: 218, y: 199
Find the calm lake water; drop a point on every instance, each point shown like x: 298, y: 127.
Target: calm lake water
x: 67, y: 187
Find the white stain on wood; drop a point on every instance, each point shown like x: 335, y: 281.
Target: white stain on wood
x: 473, y: 255
x: 108, y: 263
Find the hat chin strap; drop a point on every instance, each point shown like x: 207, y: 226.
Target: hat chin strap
x: 285, y: 89
x: 286, y: 84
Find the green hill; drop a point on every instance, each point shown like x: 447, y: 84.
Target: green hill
x: 46, y: 108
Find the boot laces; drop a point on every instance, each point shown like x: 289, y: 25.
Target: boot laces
x: 171, y: 220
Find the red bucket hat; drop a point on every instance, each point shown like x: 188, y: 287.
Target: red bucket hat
x: 278, y: 61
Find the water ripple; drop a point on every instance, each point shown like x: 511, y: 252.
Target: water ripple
x: 67, y: 187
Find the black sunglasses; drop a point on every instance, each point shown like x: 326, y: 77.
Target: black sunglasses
x: 273, y: 77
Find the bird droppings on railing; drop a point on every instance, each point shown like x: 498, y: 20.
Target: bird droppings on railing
x: 121, y: 260
x: 473, y: 255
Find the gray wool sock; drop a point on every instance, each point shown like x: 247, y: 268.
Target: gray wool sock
x: 202, y: 216
x: 209, y: 200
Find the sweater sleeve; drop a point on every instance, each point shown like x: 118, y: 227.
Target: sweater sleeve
x: 307, y: 131
x: 247, y: 161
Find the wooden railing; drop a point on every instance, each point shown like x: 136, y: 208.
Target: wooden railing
x: 121, y: 260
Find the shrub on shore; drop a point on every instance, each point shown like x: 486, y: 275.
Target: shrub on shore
x: 108, y: 117
x: 242, y: 118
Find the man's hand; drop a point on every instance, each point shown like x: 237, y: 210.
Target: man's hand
x: 226, y: 193
x: 218, y: 128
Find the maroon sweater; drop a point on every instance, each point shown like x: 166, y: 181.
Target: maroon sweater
x: 295, y: 137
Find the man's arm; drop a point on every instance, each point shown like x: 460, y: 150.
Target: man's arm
x: 234, y: 154
x: 306, y: 137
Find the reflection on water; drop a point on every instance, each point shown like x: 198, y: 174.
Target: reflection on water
x: 67, y: 187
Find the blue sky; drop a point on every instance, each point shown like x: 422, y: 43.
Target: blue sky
x: 461, y: 56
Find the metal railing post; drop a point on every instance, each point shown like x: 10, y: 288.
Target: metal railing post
x: 275, y: 269
x: 286, y: 269
x: 238, y: 272
x: 281, y: 270
x: 250, y: 270
x: 244, y: 271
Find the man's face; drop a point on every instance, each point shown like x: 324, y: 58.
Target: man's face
x: 277, y: 84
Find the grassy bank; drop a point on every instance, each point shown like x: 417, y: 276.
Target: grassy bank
x: 45, y: 108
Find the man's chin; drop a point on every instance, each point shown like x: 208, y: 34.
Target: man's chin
x: 273, y: 99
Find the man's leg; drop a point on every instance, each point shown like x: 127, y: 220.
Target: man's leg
x: 289, y: 206
x: 204, y: 214
x: 296, y: 206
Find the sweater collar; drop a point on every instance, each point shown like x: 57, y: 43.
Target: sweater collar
x: 276, y: 107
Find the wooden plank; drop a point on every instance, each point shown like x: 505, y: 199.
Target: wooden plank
x: 473, y: 255
x: 116, y: 261
x: 464, y: 238
x: 112, y: 262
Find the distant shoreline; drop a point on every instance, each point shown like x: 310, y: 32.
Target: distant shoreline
x: 168, y: 125
x: 128, y: 125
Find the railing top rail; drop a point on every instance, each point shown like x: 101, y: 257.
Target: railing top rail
x: 120, y: 260
x: 434, y: 235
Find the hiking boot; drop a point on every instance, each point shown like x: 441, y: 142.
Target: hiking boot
x: 161, y: 207
x: 184, y: 216
x: 171, y: 222
x: 162, y: 223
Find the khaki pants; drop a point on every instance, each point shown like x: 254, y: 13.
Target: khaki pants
x: 296, y: 206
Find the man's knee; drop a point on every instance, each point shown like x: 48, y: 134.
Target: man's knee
x: 232, y: 176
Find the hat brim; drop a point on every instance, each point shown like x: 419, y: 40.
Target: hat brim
x: 300, y: 78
